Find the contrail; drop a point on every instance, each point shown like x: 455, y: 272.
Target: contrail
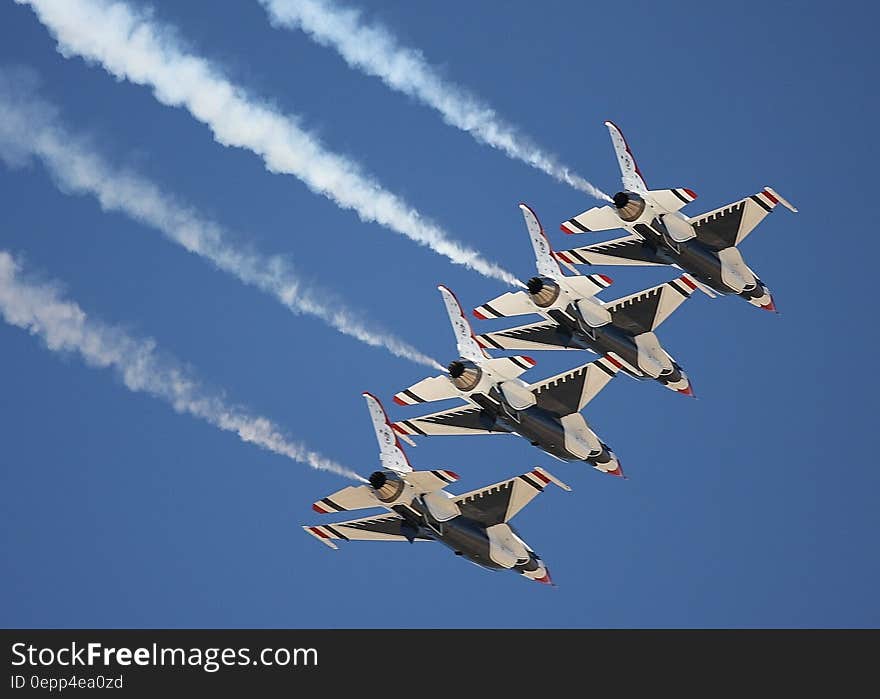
x: 29, y: 127
x: 130, y: 45
x: 38, y: 308
x: 374, y: 50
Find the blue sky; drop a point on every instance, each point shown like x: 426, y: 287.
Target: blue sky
x: 754, y: 505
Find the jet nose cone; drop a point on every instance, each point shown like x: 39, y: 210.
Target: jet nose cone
x: 545, y: 578
x: 687, y: 391
x: 613, y: 468
x: 609, y: 462
x: 770, y: 306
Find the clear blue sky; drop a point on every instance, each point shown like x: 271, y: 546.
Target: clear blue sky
x: 755, y: 505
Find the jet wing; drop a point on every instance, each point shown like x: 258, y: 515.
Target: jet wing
x: 729, y: 225
x: 568, y: 393
x: 628, y: 250
x: 541, y: 336
x: 646, y: 310
x: 461, y: 420
x: 381, y: 528
x: 499, y: 503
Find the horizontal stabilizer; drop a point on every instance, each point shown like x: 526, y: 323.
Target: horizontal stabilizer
x: 427, y: 390
x: 672, y: 199
x: 517, y: 303
x: 513, y: 303
x: 588, y: 285
x: 354, y: 497
x: 600, y: 218
x: 509, y: 367
x: 429, y: 481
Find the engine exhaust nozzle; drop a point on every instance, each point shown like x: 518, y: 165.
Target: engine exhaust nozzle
x: 464, y: 374
x: 621, y: 199
x: 629, y: 205
x: 387, y: 484
x: 543, y: 291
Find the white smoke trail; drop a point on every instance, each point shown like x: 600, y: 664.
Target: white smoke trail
x: 373, y: 49
x: 129, y: 45
x: 64, y: 327
x: 28, y: 127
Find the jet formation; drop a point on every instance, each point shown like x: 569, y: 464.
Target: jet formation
x: 494, y: 399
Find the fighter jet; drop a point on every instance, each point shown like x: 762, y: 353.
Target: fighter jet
x: 499, y: 402
x: 705, y: 245
x: 623, y: 329
x: 474, y: 525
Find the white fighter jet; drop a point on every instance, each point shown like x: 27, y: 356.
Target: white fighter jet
x: 705, y: 246
x: 497, y: 401
x: 475, y: 525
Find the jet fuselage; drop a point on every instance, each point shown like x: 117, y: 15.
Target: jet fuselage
x: 608, y: 339
x: 542, y: 428
x: 471, y: 540
x: 694, y: 257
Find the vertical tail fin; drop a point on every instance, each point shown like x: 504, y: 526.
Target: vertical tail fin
x: 630, y: 174
x: 467, y: 344
x: 391, y: 454
x: 546, y: 263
